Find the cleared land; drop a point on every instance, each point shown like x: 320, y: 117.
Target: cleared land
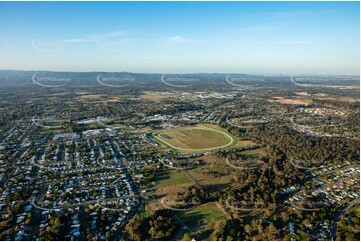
x: 243, y: 143
x: 340, y: 99
x: 206, y: 216
x: 197, y: 138
x: 296, y: 101
x: 157, y: 96
x: 259, y: 152
x: 171, y: 177
x: 214, y: 175
x: 168, y: 184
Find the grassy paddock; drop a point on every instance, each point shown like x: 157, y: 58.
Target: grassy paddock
x: 206, y: 215
x: 171, y: 177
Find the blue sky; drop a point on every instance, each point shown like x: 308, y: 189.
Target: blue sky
x: 182, y: 37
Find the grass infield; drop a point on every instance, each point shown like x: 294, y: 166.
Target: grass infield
x: 200, y: 138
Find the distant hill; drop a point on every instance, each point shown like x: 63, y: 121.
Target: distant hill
x: 25, y: 78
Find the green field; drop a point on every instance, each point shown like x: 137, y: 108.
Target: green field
x: 255, y: 152
x: 207, y: 212
x: 205, y: 215
x: 53, y: 131
x: 171, y: 177
x: 198, y: 138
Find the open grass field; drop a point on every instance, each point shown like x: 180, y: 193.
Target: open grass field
x: 53, y: 131
x: 295, y: 101
x: 169, y: 183
x: 206, y: 212
x: 214, y: 175
x: 243, y: 143
x: 198, y: 138
x: 171, y: 177
x: 258, y: 152
x: 341, y: 99
x: 205, y: 215
x: 157, y: 96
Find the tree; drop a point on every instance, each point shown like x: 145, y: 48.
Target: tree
x: 272, y: 232
x: 248, y: 229
x: 187, y: 236
x: 28, y: 221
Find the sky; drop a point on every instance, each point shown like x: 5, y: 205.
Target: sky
x: 182, y: 37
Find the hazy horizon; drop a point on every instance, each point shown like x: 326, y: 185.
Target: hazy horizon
x: 183, y: 73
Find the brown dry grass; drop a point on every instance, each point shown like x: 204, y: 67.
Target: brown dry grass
x: 170, y: 196
x: 155, y: 96
x: 341, y: 99
x: 189, y: 138
x: 302, y: 93
x: 91, y: 97
x: 321, y: 94
x: 296, y: 101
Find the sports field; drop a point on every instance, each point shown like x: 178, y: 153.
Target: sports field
x: 203, y: 218
x: 195, y: 138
